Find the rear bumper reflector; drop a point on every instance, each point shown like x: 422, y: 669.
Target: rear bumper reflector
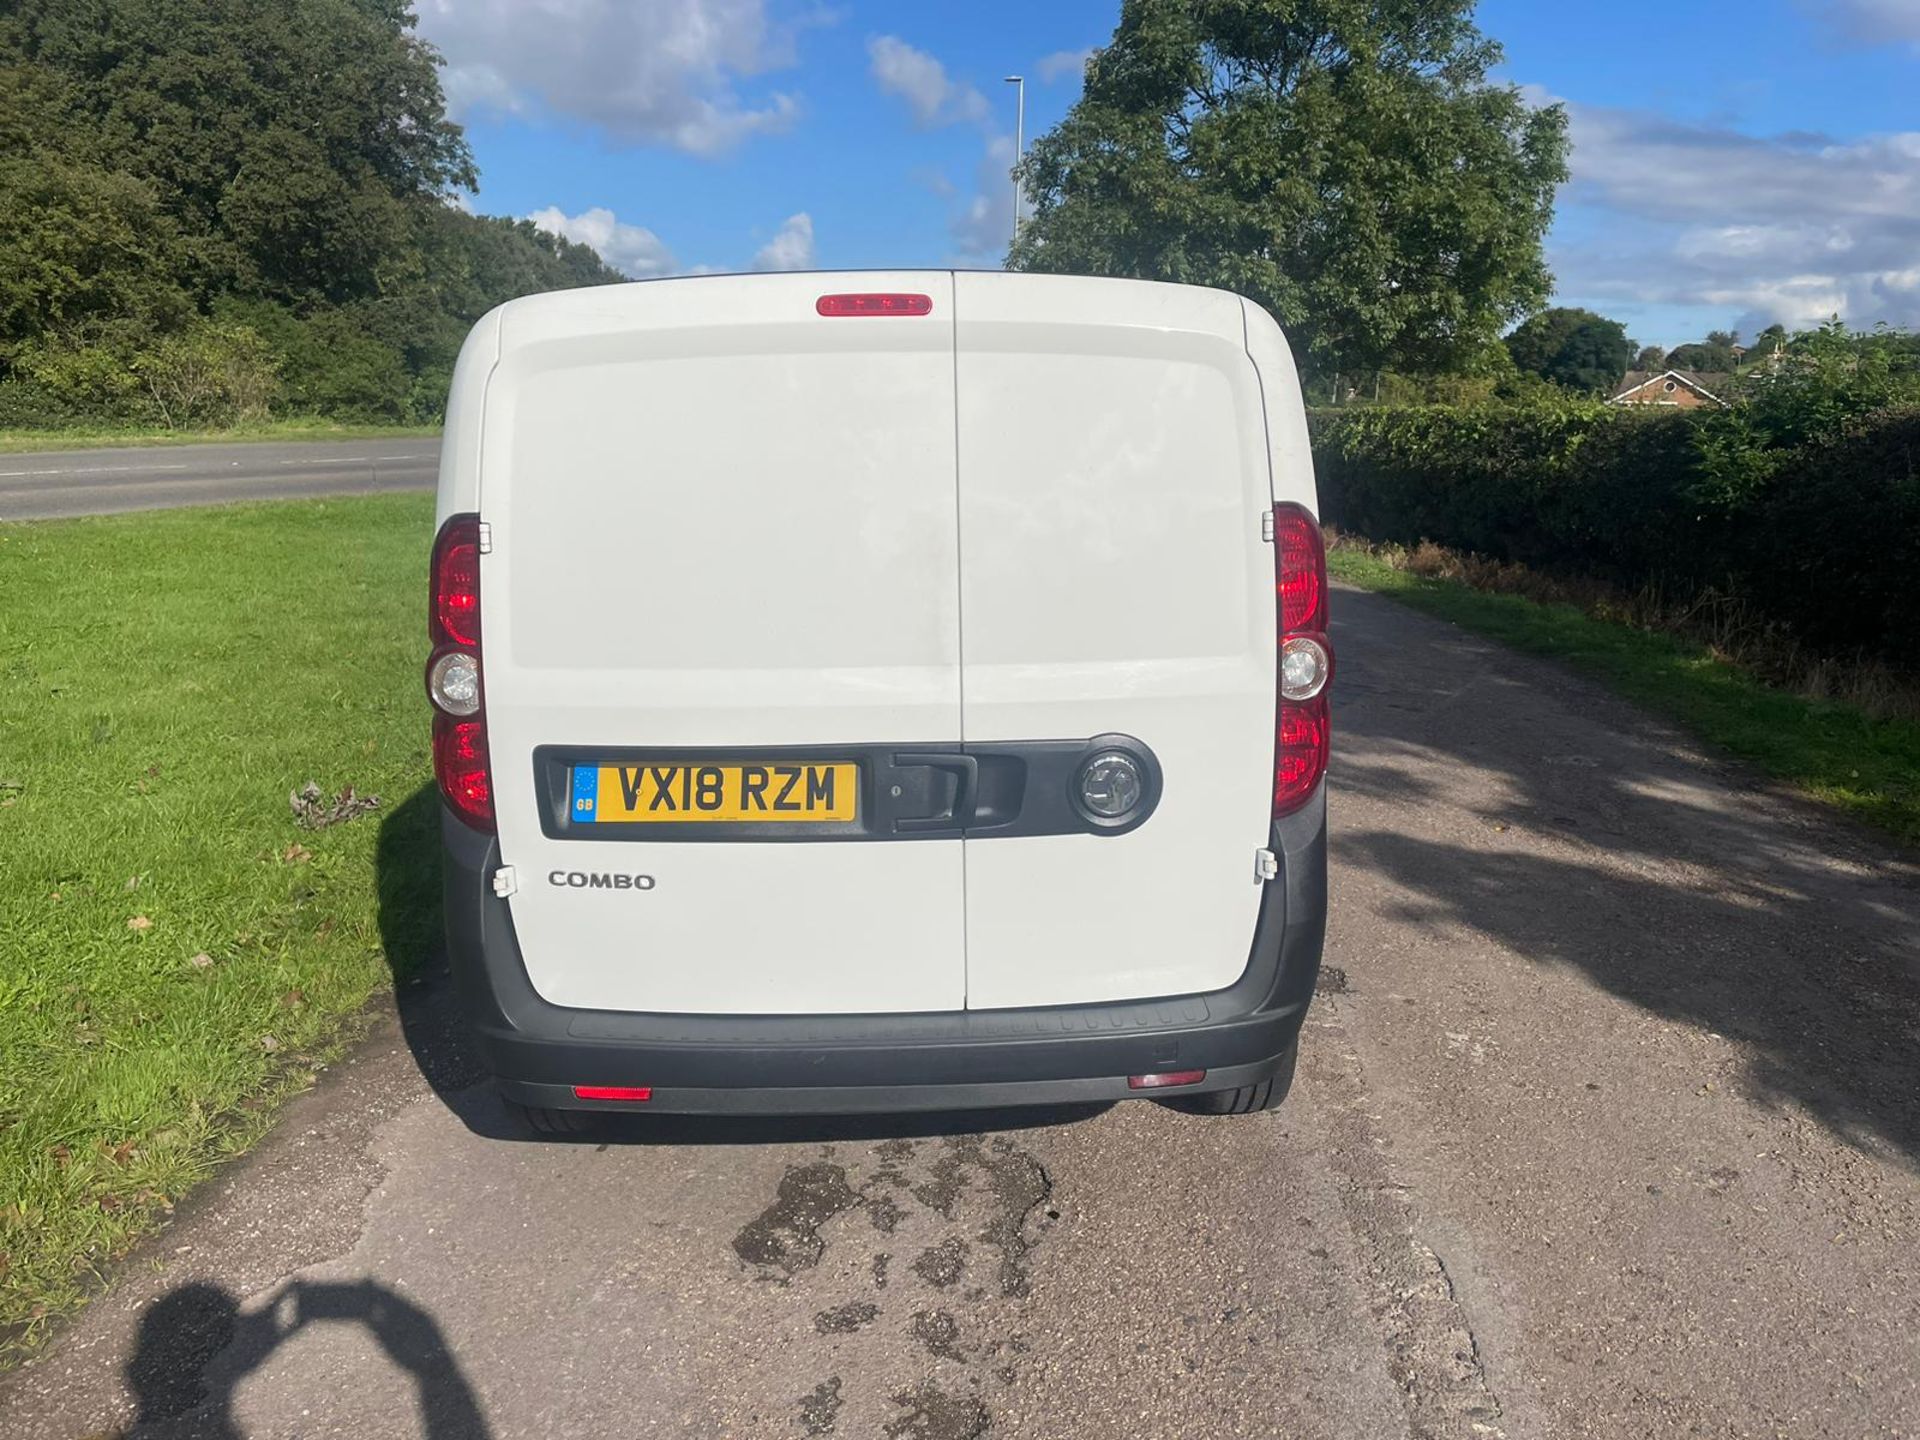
x: 613, y: 1092
x: 1165, y: 1078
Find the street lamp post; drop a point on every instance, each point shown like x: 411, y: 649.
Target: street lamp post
x: 1019, y: 141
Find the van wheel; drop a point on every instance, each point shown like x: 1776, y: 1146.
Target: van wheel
x: 543, y: 1120
x: 1247, y: 1100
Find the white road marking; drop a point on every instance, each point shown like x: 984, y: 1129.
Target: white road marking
x: 93, y: 470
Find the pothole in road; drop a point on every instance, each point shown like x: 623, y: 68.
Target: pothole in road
x: 932, y: 1414
x: 845, y: 1319
x: 786, y: 1235
x: 970, y: 1210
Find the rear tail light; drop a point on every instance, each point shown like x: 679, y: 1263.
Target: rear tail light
x: 454, y: 616
x: 461, y: 766
x: 460, y: 760
x: 1302, y: 729
x: 453, y: 682
x: 874, y: 305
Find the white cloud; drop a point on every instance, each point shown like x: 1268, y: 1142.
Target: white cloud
x: 657, y: 72
x: 631, y: 249
x: 1063, y: 63
x: 983, y: 229
x: 1789, y: 227
x: 922, y: 81
x: 1870, y: 22
x: 982, y: 226
x: 791, y: 247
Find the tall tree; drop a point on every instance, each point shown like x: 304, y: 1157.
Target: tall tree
x: 1571, y: 347
x: 1707, y: 356
x: 1346, y: 163
x: 279, y: 166
x: 297, y: 173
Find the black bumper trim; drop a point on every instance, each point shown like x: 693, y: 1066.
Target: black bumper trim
x: 884, y: 1099
x: 843, y: 1063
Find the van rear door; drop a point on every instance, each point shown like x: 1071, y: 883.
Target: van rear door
x: 722, y: 526
x: 1113, y: 479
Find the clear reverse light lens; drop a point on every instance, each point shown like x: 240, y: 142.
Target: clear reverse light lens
x: 1304, y: 664
x: 1111, y: 785
x: 454, y: 683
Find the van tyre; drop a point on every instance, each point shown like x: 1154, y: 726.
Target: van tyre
x: 1248, y: 1099
x: 543, y: 1120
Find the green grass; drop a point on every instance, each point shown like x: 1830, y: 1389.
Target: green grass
x: 1868, y: 767
x: 165, y: 680
x: 297, y: 428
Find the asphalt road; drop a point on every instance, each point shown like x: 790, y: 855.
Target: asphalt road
x: 1606, y: 1126
x: 58, y: 483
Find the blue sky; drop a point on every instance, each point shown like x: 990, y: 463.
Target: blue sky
x: 1734, y: 163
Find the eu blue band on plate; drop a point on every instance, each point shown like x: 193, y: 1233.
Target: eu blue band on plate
x: 586, y: 792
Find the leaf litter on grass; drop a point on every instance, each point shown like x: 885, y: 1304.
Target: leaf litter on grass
x: 313, y: 811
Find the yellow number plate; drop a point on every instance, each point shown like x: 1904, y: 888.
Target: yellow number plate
x: 755, y: 791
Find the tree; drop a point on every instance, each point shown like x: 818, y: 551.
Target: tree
x: 1704, y: 356
x: 1574, y: 348
x: 1346, y: 163
x: 190, y: 200
x: 83, y: 250
x: 1651, y: 357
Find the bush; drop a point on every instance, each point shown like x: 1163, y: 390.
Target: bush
x: 1837, y: 540
x: 73, y: 380
x: 27, y: 405
x: 209, y: 374
x: 1822, y: 537
x: 328, y: 364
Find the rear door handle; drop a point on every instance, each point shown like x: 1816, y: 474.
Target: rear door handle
x: 966, y: 772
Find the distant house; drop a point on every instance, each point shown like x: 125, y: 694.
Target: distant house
x: 1684, y: 389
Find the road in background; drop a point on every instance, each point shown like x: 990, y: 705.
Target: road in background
x: 1606, y: 1127
x: 53, y: 484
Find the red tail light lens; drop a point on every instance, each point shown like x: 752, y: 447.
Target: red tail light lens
x: 1300, y: 753
x: 1301, y: 556
x: 1302, y: 728
x: 461, y: 766
x: 454, y: 617
x: 874, y: 305
x: 460, y: 761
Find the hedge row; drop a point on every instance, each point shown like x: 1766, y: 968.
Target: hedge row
x: 1823, y: 538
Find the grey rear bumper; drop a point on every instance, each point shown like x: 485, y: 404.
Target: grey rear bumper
x: 836, y: 1064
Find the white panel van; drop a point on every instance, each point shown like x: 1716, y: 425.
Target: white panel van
x: 880, y: 691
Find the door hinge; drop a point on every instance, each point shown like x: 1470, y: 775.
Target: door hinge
x: 1266, y: 866
x: 1266, y: 528
x: 505, y: 881
x: 486, y: 538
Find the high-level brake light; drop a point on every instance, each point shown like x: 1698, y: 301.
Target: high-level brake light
x: 874, y: 304
x: 1302, y: 728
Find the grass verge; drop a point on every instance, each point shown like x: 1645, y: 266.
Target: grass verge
x: 176, y: 954
x: 14, y: 442
x: 1867, y: 766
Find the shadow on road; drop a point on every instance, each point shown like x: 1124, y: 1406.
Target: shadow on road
x: 195, y: 1347
x: 1684, y: 888
x: 408, y: 862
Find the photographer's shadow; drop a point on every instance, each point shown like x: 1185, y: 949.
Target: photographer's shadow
x: 195, y: 1347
